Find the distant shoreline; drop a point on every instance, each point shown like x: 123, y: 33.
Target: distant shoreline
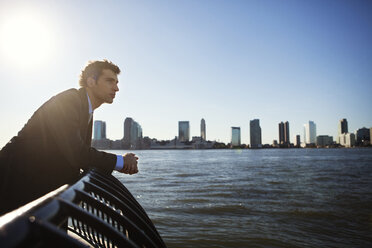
x: 265, y: 148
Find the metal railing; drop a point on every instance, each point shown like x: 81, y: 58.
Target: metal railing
x: 96, y: 211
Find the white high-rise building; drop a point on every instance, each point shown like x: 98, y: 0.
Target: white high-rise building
x: 347, y: 139
x: 310, y: 133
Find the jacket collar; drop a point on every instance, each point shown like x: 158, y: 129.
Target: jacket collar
x: 86, y: 109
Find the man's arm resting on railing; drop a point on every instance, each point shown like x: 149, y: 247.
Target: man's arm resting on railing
x: 127, y: 164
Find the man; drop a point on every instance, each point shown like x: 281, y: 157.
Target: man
x: 55, y: 143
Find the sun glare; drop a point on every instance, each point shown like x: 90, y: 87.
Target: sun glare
x: 25, y: 40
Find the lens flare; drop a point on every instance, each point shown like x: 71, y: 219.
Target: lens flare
x: 25, y: 39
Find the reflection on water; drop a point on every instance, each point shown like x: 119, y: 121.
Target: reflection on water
x: 257, y: 198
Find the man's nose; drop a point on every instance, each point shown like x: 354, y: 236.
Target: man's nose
x: 116, y: 87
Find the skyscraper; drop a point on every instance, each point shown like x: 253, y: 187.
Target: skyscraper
x: 310, y: 133
x: 255, y: 133
x: 132, y: 133
x: 342, y: 129
x: 202, y: 130
x: 298, y: 140
x: 99, y: 130
x: 103, y: 130
x: 342, y: 126
x: 183, y: 131
x: 128, y: 122
x: 284, y: 133
x: 235, y: 136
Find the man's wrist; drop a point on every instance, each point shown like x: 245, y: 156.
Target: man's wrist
x: 119, y: 163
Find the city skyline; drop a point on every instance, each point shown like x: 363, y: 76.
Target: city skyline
x: 309, y: 135
x: 227, y: 62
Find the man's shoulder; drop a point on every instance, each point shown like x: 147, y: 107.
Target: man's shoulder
x: 71, y: 93
x: 69, y: 97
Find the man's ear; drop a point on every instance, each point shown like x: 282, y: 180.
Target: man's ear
x: 91, y: 81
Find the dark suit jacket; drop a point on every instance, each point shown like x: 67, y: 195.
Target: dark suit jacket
x: 50, y: 150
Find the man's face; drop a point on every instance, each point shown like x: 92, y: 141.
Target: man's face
x: 106, y: 86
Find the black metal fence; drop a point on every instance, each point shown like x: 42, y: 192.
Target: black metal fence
x: 96, y: 211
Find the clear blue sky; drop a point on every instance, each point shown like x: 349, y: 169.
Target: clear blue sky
x: 225, y: 61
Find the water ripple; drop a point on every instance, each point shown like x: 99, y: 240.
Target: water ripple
x: 257, y: 198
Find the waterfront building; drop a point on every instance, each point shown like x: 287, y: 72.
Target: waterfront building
x: 324, y: 140
x: 347, y: 139
x: 297, y: 142
x: 235, y: 136
x: 362, y: 136
x: 202, y: 130
x: 132, y: 134
x: 183, y: 131
x: 284, y: 133
x: 128, y: 123
x: 310, y: 133
x: 281, y: 133
x: 99, y: 136
x: 99, y: 130
x: 136, y: 133
x: 255, y: 133
x: 342, y: 128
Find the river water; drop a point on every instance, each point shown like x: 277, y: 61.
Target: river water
x: 257, y: 198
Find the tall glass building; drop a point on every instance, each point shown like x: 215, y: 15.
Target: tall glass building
x: 99, y: 130
x: 310, y: 133
x: 255, y: 133
x: 183, y: 131
x: 132, y: 133
x: 235, y: 136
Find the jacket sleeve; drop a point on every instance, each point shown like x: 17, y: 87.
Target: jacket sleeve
x: 63, y: 119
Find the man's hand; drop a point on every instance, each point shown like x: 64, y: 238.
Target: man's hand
x: 130, y: 164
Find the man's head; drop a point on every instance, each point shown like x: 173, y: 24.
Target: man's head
x: 100, y: 80
x: 94, y: 70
